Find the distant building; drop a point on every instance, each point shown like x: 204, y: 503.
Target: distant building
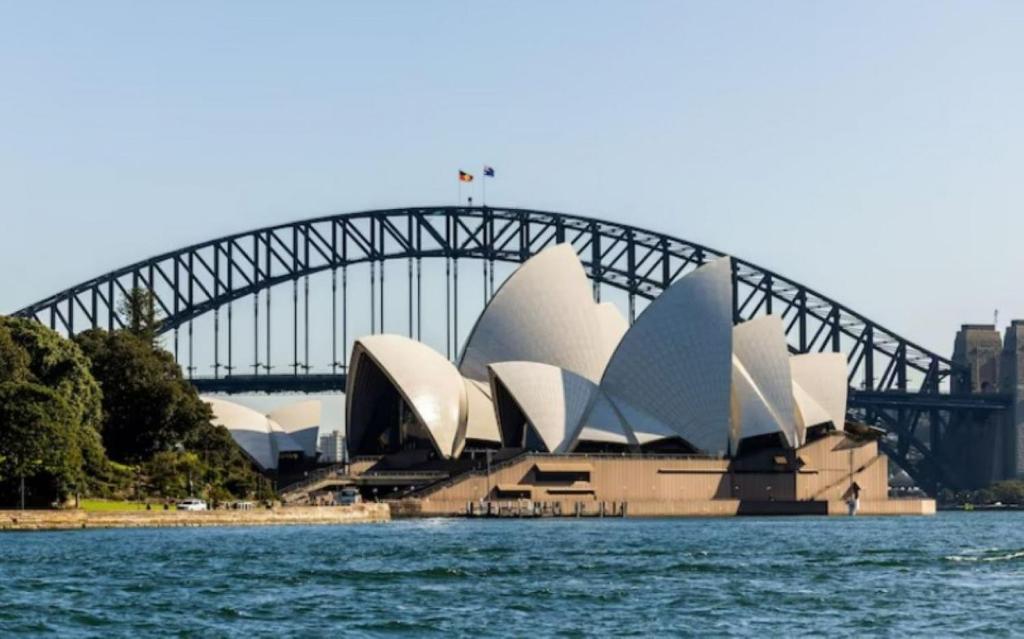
x: 288, y: 433
x: 332, y: 447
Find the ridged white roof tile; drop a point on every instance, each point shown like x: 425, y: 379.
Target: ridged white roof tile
x: 823, y: 377
x: 760, y: 347
x: 675, y: 361
x: 301, y: 420
x: 481, y: 423
x: 603, y: 423
x: 544, y: 313
x: 809, y: 412
x: 552, y: 400
x: 429, y: 383
x: 260, y: 437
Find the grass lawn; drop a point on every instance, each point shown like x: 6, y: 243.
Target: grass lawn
x: 103, y: 505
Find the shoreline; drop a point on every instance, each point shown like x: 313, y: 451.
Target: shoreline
x: 41, y: 520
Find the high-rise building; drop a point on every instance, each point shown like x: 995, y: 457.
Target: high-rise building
x: 332, y: 447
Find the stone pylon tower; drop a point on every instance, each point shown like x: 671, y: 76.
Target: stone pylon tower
x: 1012, y: 381
x: 982, y: 448
x: 979, y: 348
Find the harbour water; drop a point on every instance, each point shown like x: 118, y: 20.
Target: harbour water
x: 952, y: 574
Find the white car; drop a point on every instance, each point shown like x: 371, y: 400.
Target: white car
x: 192, y: 504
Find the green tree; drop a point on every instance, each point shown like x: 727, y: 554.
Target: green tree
x: 13, y: 358
x: 152, y: 416
x: 1010, y: 491
x: 175, y: 474
x: 226, y: 469
x: 148, y: 406
x: 58, y: 364
x: 138, y: 312
x: 39, y: 444
x: 33, y: 353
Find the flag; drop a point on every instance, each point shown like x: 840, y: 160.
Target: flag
x: 488, y: 171
x: 465, y: 177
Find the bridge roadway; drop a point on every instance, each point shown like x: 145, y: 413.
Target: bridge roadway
x: 335, y: 383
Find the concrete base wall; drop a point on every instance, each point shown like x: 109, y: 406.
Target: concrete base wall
x: 71, y: 519
x: 696, y: 508
x: 815, y: 479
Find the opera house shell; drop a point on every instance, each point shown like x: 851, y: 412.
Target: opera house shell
x: 289, y: 432
x: 548, y: 369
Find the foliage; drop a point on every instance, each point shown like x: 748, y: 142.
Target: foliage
x: 58, y: 364
x: 66, y: 405
x: 149, y: 407
x: 36, y: 356
x: 38, y: 443
x: 227, y: 471
x: 216, y: 469
x: 138, y: 312
x: 1010, y: 492
x: 173, y: 474
x: 13, y: 359
x: 152, y: 414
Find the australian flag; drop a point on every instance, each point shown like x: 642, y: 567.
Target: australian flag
x: 489, y: 171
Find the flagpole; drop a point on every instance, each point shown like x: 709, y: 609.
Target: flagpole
x: 483, y: 183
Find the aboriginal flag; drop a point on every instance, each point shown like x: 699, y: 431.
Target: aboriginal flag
x: 465, y: 177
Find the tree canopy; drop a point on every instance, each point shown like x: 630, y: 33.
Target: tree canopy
x: 56, y: 363
x: 149, y: 407
x: 96, y: 413
x: 39, y: 441
x: 13, y: 358
x: 138, y: 312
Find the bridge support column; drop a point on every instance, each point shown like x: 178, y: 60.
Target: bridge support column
x: 1012, y: 370
x: 981, y: 450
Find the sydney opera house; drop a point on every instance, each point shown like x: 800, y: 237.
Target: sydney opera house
x: 558, y: 403
x: 680, y: 412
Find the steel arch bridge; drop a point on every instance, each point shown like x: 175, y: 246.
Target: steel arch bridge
x: 894, y: 382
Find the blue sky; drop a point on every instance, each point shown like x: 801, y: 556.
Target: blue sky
x: 871, y: 150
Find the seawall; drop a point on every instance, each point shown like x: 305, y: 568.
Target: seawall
x: 410, y: 508
x: 297, y: 515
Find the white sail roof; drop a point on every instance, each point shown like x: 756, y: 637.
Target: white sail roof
x: 642, y: 427
x: 552, y: 400
x: 262, y: 439
x: 809, y: 412
x: 301, y: 420
x: 604, y: 424
x: 753, y: 415
x: 675, y: 361
x: 481, y: 422
x: 613, y: 326
x: 427, y: 381
x: 759, y: 346
x: 544, y: 313
x: 823, y: 377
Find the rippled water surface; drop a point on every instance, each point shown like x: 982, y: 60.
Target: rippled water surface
x: 957, y: 573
